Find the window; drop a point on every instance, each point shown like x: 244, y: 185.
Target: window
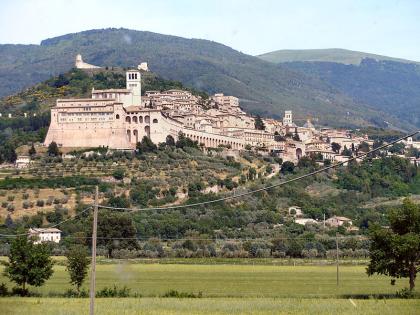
x: 155, y: 121
x: 117, y: 116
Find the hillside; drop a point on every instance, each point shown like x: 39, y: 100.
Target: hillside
x: 337, y: 55
x: 388, y: 86
x: 262, y: 87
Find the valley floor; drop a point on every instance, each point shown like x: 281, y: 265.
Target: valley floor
x: 225, y: 288
x: 207, y: 306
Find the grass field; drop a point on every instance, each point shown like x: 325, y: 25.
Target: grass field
x: 151, y: 280
x: 226, y: 289
x: 207, y: 306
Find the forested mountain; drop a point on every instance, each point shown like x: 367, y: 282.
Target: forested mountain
x: 337, y: 55
x: 387, y: 84
x: 262, y: 87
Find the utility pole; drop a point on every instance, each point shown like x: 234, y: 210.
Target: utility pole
x: 93, y: 271
x: 336, y: 243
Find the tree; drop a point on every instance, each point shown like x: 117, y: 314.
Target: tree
x: 184, y: 141
x: 336, y: 147
x: 7, y: 153
x: 32, y: 150
x: 259, y: 123
x: 170, y: 141
x: 29, y: 263
x: 397, y: 148
x: 53, y: 149
x: 116, y: 231
x: 346, y: 152
x: 364, y: 147
x: 146, y: 145
x: 118, y: 174
x: 395, y: 252
x: 287, y: 167
x: 77, y: 265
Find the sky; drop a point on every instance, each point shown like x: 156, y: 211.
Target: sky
x: 385, y: 27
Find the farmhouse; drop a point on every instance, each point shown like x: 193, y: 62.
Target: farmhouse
x: 42, y: 235
x: 22, y: 161
x: 336, y: 221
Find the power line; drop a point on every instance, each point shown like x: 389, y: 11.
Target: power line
x: 234, y: 196
x: 215, y: 239
x: 49, y: 227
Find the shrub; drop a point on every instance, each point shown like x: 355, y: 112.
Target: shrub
x: 40, y: 203
x: 10, y: 198
x: 4, y: 204
x: 25, y: 196
x: 10, y: 207
x: 180, y: 295
x: 49, y: 200
x: 20, y: 292
x: 70, y: 293
x: 3, y: 290
x: 118, y: 174
x: 405, y: 294
x: 25, y: 204
x: 113, y: 292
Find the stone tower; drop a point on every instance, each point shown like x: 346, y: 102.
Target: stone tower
x: 133, y: 79
x: 288, y: 118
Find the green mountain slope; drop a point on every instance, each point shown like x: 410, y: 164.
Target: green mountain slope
x: 337, y: 55
x: 262, y: 87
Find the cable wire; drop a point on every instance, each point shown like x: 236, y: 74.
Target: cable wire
x: 234, y: 196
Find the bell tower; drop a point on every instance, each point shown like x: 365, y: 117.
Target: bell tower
x: 133, y: 80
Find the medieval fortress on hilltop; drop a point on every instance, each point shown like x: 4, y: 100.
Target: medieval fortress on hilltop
x: 119, y: 118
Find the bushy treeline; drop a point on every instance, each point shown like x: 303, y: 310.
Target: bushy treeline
x: 57, y: 182
x: 309, y: 247
x: 390, y: 176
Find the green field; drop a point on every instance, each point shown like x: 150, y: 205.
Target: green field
x: 152, y: 280
x: 226, y: 289
x: 171, y: 306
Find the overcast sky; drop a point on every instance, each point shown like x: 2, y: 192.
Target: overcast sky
x: 386, y: 27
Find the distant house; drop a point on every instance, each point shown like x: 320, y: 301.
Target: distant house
x: 295, y: 211
x: 23, y: 161
x: 304, y: 221
x: 45, y: 235
x: 336, y: 221
x: 67, y: 156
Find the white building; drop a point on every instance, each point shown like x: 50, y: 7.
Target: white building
x: 80, y: 64
x: 45, y: 235
x: 23, y: 161
x: 304, y: 221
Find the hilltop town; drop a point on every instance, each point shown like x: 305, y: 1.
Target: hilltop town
x: 119, y: 118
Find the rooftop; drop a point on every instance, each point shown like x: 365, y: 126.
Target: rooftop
x: 44, y: 230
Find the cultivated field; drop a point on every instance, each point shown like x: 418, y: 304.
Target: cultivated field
x: 208, y: 306
x: 226, y: 289
x: 231, y: 280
